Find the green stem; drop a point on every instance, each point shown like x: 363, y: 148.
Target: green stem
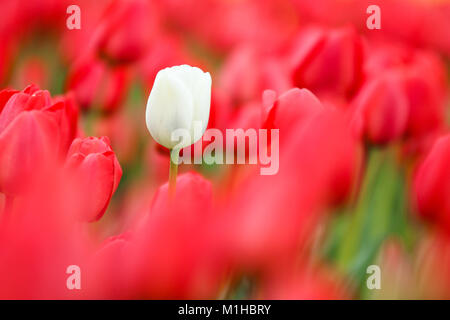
x: 174, y: 155
x: 352, y: 237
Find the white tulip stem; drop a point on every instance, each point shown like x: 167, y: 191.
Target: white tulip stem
x: 174, y: 154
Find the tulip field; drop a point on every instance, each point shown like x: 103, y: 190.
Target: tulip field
x: 218, y: 149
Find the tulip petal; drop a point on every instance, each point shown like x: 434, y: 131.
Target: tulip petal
x: 28, y: 143
x: 97, y: 180
x: 170, y: 107
x: 199, y: 84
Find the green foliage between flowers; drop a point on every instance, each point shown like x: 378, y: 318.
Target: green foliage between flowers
x: 381, y: 211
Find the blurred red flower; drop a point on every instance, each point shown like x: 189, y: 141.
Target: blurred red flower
x: 126, y: 30
x: 34, y: 133
x: 403, y: 96
x: 432, y: 185
x: 318, y: 167
x: 289, y: 109
x: 98, y: 173
x: 95, y: 85
x: 383, y: 106
x: 173, y: 254
x: 328, y: 62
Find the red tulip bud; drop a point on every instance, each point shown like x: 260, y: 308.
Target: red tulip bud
x: 127, y: 30
x: 432, y: 184
x: 383, y: 107
x: 30, y: 136
x: 181, y: 235
x: 290, y: 108
x: 97, y: 172
x: 328, y: 62
x: 96, y: 85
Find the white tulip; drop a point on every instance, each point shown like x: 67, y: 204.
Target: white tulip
x: 180, y: 97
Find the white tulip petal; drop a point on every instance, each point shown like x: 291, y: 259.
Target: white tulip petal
x: 169, y: 107
x: 180, y: 96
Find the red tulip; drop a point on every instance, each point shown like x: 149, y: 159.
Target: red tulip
x: 383, y: 106
x: 420, y: 76
x: 265, y: 24
x: 318, y: 166
x: 97, y: 172
x: 127, y: 30
x: 247, y: 73
x: 107, y: 274
x: 181, y: 236
x: 95, y: 85
x: 425, y: 85
x: 328, y: 62
x: 33, y: 132
x: 67, y: 120
x: 432, y: 185
x: 421, y: 23
x: 75, y: 43
x: 290, y: 108
x: 40, y: 238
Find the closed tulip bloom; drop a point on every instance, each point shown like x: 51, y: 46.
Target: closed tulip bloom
x: 432, y: 185
x: 247, y: 73
x: 383, y: 105
x: 328, y: 62
x: 180, y: 97
x: 97, y: 173
x: 422, y: 76
x: 34, y: 131
x: 127, y: 30
x: 287, y: 110
x: 95, y: 85
x: 183, y: 238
